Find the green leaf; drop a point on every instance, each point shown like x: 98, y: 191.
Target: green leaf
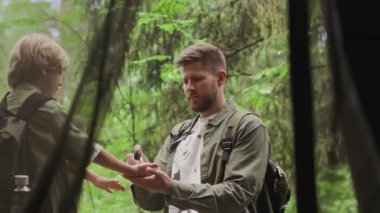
x: 168, y: 27
x: 169, y: 73
x: 266, y: 90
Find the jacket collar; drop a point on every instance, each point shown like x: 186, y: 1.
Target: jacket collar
x: 226, y: 110
x: 28, y: 86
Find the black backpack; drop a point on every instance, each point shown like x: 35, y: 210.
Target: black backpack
x: 12, y: 148
x: 276, y: 191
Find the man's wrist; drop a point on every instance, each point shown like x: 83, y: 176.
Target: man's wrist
x: 168, y: 193
x: 168, y: 197
x: 170, y: 187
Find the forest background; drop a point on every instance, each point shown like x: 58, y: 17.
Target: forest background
x: 148, y: 101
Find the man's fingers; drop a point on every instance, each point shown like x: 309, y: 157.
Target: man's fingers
x: 148, y: 165
x: 145, y: 159
x: 153, y: 171
x: 137, y: 148
x: 130, y: 160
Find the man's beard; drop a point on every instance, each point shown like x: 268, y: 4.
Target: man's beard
x: 206, y: 102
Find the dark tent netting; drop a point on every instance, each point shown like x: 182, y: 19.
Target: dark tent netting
x: 354, y: 42
x: 103, y: 68
x: 302, y: 106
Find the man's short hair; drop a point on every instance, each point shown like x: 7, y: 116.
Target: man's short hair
x: 33, y: 54
x: 211, y: 56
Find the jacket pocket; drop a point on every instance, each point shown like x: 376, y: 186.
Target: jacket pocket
x: 211, y: 164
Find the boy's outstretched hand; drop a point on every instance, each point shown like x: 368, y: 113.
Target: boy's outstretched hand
x: 104, y: 183
x: 140, y: 170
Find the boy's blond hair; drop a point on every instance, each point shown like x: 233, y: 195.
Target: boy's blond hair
x: 32, y: 55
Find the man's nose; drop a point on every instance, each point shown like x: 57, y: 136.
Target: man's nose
x: 189, y: 85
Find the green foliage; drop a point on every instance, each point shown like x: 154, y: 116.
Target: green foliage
x: 95, y: 200
x: 335, y: 191
x: 169, y: 73
x: 262, y: 92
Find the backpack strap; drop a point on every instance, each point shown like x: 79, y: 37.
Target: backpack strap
x: 184, y: 128
x: 27, y: 110
x: 230, y: 134
x: 31, y: 106
x: 3, y: 105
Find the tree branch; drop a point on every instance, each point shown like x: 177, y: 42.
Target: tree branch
x: 234, y: 52
x: 51, y: 17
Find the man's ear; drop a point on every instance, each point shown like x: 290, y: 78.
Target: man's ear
x: 222, y: 77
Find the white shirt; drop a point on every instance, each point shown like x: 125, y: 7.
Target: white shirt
x: 187, y: 159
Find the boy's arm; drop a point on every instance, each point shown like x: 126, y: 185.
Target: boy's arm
x: 107, y: 160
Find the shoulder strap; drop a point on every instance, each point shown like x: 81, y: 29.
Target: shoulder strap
x: 184, y: 128
x: 3, y: 104
x: 230, y: 132
x: 31, y: 105
x: 25, y: 113
x: 28, y: 108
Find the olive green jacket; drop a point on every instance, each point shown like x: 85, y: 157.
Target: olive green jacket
x: 227, y: 188
x: 42, y: 133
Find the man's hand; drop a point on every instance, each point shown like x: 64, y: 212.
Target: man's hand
x: 157, y: 181
x: 137, y: 151
x: 104, y: 183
